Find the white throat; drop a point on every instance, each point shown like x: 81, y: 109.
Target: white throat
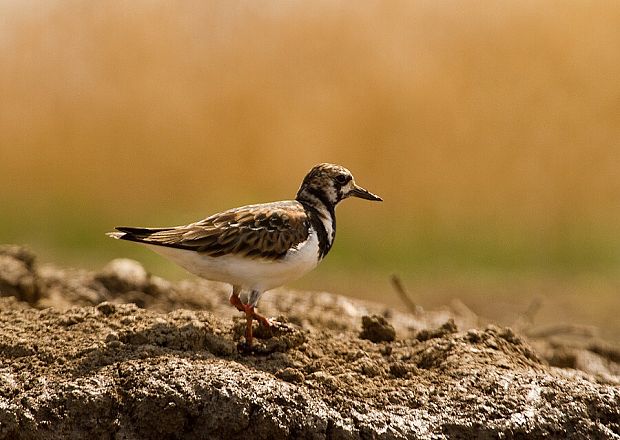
x: 327, y: 221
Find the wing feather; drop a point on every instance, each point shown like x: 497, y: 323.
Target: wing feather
x: 262, y: 231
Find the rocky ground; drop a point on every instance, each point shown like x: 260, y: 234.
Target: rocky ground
x: 126, y: 355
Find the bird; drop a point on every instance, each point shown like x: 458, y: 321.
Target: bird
x: 256, y: 248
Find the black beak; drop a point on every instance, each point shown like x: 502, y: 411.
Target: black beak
x: 362, y: 193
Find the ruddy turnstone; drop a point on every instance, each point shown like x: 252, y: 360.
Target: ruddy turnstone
x: 258, y: 247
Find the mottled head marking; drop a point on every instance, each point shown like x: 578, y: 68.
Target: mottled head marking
x: 328, y: 184
x: 325, y: 182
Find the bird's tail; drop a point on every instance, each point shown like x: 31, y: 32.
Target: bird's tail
x: 134, y: 234
x: 117, y: 235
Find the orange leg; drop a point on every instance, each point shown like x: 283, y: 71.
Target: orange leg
x: 260, y: 318
x: 251, y: 315
x: 236, y: 301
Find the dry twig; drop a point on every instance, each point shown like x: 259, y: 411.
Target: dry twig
x: 563, y: 329
x: 402, y: 293
x: 532, y: 309
x: 460, y: 309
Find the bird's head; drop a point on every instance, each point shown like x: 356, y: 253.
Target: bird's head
x: 329, y: 184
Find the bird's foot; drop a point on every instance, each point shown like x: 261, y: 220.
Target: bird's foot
x: 264, y: 322
x: 251, y: 315
x: 249, y: 311
x: 249, y: 338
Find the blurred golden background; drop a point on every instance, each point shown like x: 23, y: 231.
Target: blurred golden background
x: 491, y: 129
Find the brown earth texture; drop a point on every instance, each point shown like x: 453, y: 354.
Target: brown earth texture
x: 122, y: 354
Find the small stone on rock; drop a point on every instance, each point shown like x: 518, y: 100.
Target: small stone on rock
x: 446, y: 328
x: 17, y: 279
x: 375, y: 328
x: 124, y: 275
x: 105, y: 308
x: 290, y: 375
x: 399, y: 369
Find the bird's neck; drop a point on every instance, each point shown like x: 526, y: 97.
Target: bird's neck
x: 322, y: 216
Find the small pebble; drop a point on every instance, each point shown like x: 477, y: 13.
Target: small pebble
x: 105, y: 308
x: 290, y: 375
x: 123, y: 275
x: 376, y: 328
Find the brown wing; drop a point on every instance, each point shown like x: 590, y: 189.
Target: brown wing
x: 263, y: 231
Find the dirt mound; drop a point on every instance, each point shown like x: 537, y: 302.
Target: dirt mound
x: 172, y: 368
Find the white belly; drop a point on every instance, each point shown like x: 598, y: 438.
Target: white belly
x: 254, y: 274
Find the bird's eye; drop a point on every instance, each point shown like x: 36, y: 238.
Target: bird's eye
x: 342, y: 178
